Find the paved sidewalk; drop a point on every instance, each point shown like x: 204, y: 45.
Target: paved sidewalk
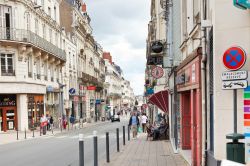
x: 11, y: 136
x: 141, y: 152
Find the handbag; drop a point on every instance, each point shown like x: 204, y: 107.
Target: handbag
x: 139, y: 130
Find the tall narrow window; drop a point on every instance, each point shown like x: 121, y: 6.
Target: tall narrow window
x: 7, y: 68
x: 30, y: 66
x: 38, y: 70
x: 55, y: 13
x: 42, y: 3
x: 49, y: 11
x: 28, y: 21
x: 45, y: 71
x: 52, y: 73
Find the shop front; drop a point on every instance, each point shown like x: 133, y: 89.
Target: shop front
x: 35, y: 110
x: 8, y: 112
x: 189, y: 92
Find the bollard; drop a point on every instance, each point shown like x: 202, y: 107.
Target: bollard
x: 52, y: 128
x: 25, y: 133
x: 107, y: 147
x: 33, y: 131
x: 17, y: 134
x: 117, y: 139
x: 61, y: 125
x: 128, y: 133
x: 95, y: 149
x: 123, y: 128
x: 81, y: 150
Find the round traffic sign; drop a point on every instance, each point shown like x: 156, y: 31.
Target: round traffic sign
x: 157, y: 72
x: 234, y: 58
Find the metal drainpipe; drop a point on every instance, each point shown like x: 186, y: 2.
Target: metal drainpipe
x: 203, y: 84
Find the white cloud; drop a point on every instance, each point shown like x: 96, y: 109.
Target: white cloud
x: 120, y: 26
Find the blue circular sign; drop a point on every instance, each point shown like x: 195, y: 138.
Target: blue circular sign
x: 72, y: 91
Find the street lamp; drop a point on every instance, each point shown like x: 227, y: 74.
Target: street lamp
x: 61, y: 86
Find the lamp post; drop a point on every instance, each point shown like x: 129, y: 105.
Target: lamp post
x: 61, y: 86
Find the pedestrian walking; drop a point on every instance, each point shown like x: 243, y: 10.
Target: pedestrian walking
x: 48, y: 124
x: 43, y: 123
x: 134, y: 124
x: 51, y: 121
x: 72, y: 120
x: 144, y: 122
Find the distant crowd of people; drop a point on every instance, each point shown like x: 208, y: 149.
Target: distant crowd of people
x: 139, y: 121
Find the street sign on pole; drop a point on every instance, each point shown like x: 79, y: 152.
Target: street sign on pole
x: 239, y: 84
x: 234, y: 58
x: 234, y: 75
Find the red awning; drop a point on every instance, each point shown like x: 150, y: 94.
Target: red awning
x: 160, y: 99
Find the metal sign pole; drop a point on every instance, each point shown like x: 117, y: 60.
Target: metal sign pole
x: 235, y: 110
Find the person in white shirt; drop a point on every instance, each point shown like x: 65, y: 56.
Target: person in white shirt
x: 144, y: 122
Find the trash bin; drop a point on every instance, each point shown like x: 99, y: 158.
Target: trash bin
x: 235, y: 149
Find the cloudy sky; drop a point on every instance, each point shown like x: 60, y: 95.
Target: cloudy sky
x: 120, y: 26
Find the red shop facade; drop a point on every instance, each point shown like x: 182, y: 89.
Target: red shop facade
x: 189, y: 90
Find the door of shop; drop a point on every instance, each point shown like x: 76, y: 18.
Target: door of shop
x: 8, y: 118
x: 194, y: 127
x: 186, y: 120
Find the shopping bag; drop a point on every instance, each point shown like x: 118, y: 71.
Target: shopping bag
x: 139, y: 130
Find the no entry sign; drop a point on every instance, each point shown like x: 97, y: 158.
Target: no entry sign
x: 234, y: 58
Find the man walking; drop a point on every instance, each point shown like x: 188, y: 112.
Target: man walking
x: 134, y: 123
x: 144, y: 122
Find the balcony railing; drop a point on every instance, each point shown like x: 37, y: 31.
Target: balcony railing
x: 22, y: 35
x: 8, y: 73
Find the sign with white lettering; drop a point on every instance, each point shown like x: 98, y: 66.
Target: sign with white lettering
x: 155, y: 60
x: 234, y: 75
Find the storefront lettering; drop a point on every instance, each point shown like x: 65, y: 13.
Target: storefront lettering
x: 7, y: 100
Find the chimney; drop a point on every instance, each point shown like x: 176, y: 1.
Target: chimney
x: 84, y: 8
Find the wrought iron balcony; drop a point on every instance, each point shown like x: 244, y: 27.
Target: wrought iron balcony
x: 25, y: 36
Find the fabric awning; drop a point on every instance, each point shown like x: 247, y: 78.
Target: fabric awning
x: 160, y: 99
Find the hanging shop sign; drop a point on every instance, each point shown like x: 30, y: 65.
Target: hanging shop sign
x: 72, y: 91
x: 238, y: 84
x: 155, y: 60
x: 157, y: 72
x: 234, y: 75
x: 234, y: 58
x: 91, y: 88
x: 242, y: 4
x: 157, y: 47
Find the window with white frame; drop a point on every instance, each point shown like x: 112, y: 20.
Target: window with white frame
x: 30, y: 66
x: 7, y: 67
x: 28, y: 21
x: 55, y: 13
x: 49, y: 11
x: 45, y: 69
